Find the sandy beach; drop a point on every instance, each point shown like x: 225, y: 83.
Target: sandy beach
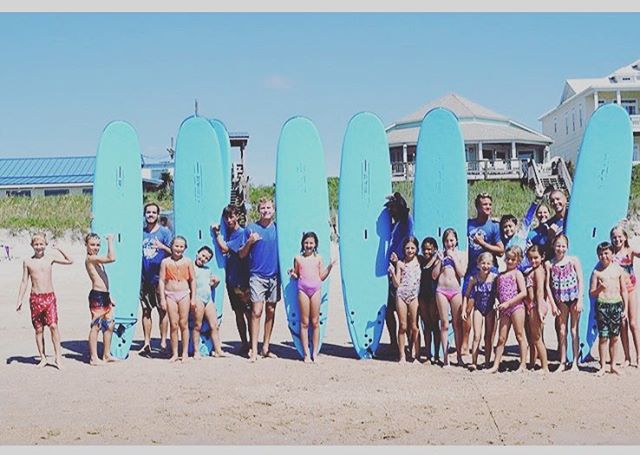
x: 340, y: 400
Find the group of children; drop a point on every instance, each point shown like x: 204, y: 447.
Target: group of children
x: 534, y: 280
x: 437, y: 287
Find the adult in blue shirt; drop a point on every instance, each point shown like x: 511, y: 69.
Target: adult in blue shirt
x: 483, y: 235
x: 401, y: 228
x: 236, y: 271
x: 261, y: 246
x: 155, y: 247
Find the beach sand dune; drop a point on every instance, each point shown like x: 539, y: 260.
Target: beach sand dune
x: 340, y: 400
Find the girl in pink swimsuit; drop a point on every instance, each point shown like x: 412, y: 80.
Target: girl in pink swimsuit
x: 406, y: 277
x: 448, y: 271
x: 623, y: 256
x: 511, y: 294
x: 308, y: 270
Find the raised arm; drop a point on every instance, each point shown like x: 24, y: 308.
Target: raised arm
x: 324, y: 273
x: 294, y: 272
x: 215, y: 228
x: 65, y: 257
x: 109, y: 258
x: 246, y: 248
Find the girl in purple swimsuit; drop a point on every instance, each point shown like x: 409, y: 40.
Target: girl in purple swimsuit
x: 564, y: 279
x: 511, y: 294
x: 406, y: 277
x: 448, y: 271
x: 308, y: 270
x: 481, y: 296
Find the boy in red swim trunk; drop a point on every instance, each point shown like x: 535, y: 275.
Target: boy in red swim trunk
x: 42, y: 300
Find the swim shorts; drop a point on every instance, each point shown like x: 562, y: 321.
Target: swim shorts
x: 609, y: 318
x: 264, y: 289
x: 99, y: 300
x: 239, y: 298
x: 149, y: 296
x: 44, y: 310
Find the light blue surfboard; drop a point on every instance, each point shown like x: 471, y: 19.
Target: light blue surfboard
x: 440, y: 182
x: 117, y: 210
x: 599, y: 200
x: 365, y: 230
x: 302, y: 203
x: 225, y: 151
x: 198, y: 200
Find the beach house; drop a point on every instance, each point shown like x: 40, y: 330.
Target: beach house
x: 496, y: 147
x: 566, y: 123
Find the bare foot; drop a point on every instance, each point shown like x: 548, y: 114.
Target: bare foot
x: 402, y: 360
x: 96, y: 362
x: 269, y: 355
x: 637, y: 363
x: 544, y: 370
x: 58, y: 363
x: 219, y: 353
x: 307, y: 359
x: 252, y: 357
x: 109, y: 359
x: 521, y: 369
x: 560, y: 368
x: 42, y: 363
x: 316, y: 358
x: 626, y: 363
x: 473, y: 367
x: 197, y: 356
x: 145, y: 350
x: 616, y: 371
x: 174, y: 358
x: 493, y: 370
x: 600, y: 372
x: 574, y: 367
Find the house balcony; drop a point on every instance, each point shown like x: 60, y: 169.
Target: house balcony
x: 495, y: 169
x: 635, y: 122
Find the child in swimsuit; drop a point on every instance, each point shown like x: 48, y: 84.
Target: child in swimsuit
x: 427, y: 308
x: 536, y: 306
x: 204, y: 306
x: 623, y: 255
x: 100, y: 303
x: 511, y: 294
x: 609, y: 284
x: 406, y: 278
x: 448, y: 271
x: 177, y: 288
x: 480, y: 296
x: 308, y: 270
x: 564, y: 277
x: 42, y: 299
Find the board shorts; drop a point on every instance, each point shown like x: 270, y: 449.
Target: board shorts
x: 149, y: 296
x: 44, y: 309
x: 99, y: 300
x: 238, y: 298
x: 609, y: 318
x: 264, y: 289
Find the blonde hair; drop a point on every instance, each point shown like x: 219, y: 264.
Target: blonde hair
x: 39, y: 235
x: 265, y: 200
x: 483, y: 256
x: 515, y: 249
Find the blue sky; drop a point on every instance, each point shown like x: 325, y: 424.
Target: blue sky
x: 65, y: 76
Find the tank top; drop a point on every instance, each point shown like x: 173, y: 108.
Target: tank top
x: 564, y: 282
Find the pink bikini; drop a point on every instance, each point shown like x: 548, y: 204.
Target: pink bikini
x: 309, y: 281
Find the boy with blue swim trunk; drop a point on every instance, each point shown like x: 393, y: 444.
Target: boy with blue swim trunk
x: 156, y: 239
x: 261, y: 246
x: 236, y: 271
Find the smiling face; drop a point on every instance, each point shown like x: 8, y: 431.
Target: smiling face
x: 203, y: 257
x: 309, y: 245
x: 266, y: 211
x: 542, y: 214
x: 410, y: 250
x: 484, y: 206
x: 560, y: 247
x: 450, y: 242
x: 558, y: 201
x: 151, y: 214
x: 618, y: 238
x: 485, y: 265
x: 428, y: 250
x: 605, y: 256
x: 231, y: 221
x: 508, y: 229
x: 177, y: 248
x: 39, y: 244
x: 512, y: 260
x: 534, y: 258
x: 93, y: 246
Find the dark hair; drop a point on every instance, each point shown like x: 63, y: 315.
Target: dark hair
x: 179, y: 237
x: 538, y: 249
x: 603, y: 246
x: 230, y: 210
x: 206, y: 248
x: 149, y: 204
x: 447, y: 232
x: 430, y: 241
x: 398, y: 202
x: 505, y: 219
x: 307, y: 235
x: 91, y: 235
x: 558, y: 237
x: 410, y: 239
x: 483, y: 195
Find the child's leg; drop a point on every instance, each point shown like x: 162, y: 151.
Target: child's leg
x: 316, y: 300
x: 613, y: 345
x: 489, y: 333
x: 304, y: 308
x: 198, y: 314
x: 434, y: 327
x: 423, y: 315
x: 401, y: 309
x: 211, y: 313
x: 602, y: 352
x: 174, y: 319
x: 40, y: 345
x: 414, y: 331
x: 536, y: 333
x: 505, y: 325
x: 477, y: 336
x: 633, y: 323
x: 517, y: 319
x: 561, y: 324
x: 575, y: 320
x: 529, y: 337
x: 466, y: 331
x: 93, y: 340
x: 557, y: 324
x: 184, y: 306
x: 624, y: 335
x: 107, y: 334
x: 443, y: 313
x: 55, y: 340
x: 456, y: 312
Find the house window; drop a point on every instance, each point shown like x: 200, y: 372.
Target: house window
x: 87, y: 191
x: 19, y: 193
x: 580, y: 115
x: 57, y: 192
x: 573, y: 120
x: 566, y: 124
x: 631, y: 106
x: 555, y: 125
x: 636, y: 152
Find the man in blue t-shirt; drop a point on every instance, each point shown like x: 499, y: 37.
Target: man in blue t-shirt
x: 236, y: 271
x: 156, y: 241
x: 261, y: 246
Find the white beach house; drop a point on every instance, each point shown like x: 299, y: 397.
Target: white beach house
x: 495, y: 145
x: 566, y: 123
